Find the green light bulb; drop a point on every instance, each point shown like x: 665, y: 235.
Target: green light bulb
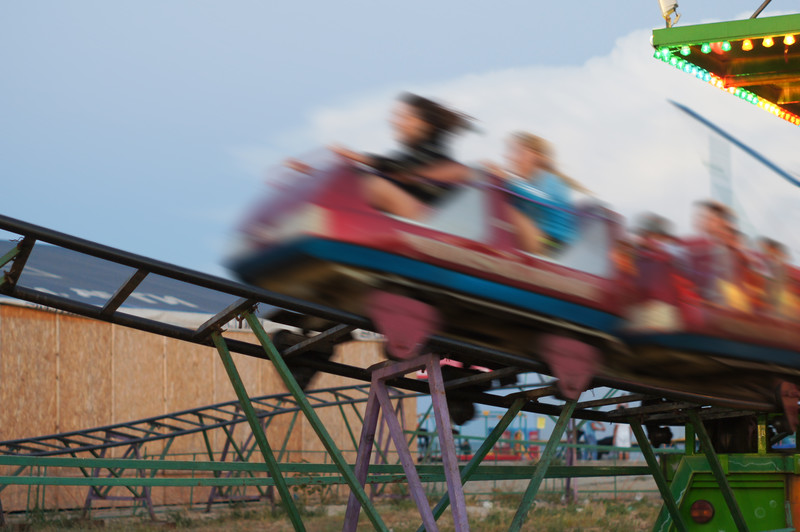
x: 706, y: 48
x: 685, y: 50
x: 726, y: 46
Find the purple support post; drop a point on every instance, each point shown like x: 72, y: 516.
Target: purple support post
x: 449, y: 459
x: 362, y: 459
x: 412, y: 476
x: 382, y: 452
x: 400, y: 411
x: 379, y: 400
x: 87, y: 505
x: 146, y: 493
x: 95, y: 493
x: 217, y: 493
x: 381, y: 449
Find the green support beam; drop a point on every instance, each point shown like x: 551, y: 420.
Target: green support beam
x: 258, y: 431
x: 9, y: 256
x: 302, y: 401
x: 19, y: 254
x: 541, y: 467
x: 490, y: 472
x: 655, y: 469
x: 718, y: 472
x: 42, y: 480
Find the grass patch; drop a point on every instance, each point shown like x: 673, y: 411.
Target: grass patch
x: 487, y: 514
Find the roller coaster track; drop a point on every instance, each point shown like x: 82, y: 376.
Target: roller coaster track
x: 175, y: 424
x: 336, y: 323
x: 222, y: 417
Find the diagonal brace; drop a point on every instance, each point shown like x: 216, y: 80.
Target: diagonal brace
x: 258, y: 431
x: 541, y: 467
x: 716, y: 469
x: 19, y: 254
x: 314, y: 420
x: 652, y: 462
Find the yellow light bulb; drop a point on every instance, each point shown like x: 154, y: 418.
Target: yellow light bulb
x: 767, y: 42
x: 788, y: 40
x: 747, y: 45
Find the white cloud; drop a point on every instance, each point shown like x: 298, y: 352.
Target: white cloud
x: 612, y: 126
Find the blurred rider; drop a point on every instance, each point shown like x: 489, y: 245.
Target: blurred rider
x: 541, y: 211
x: 421, y: 173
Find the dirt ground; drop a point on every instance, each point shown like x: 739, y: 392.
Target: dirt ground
x: 399, y: 516
x: 595, y: 508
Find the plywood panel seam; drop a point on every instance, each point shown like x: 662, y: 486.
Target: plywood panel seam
x: 2, y: 373
x: 164, y: 375
x: 58, y: 373
x: 113, y: 359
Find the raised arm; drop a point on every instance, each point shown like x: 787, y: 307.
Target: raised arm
x: 354, y: 156
x: 444, y: 172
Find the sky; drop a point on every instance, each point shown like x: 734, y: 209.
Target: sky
x: 150, y: 126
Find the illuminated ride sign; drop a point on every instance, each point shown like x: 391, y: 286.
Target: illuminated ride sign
x: 757, y: 60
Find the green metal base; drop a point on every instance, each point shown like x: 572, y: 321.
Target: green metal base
x: 746, y: 491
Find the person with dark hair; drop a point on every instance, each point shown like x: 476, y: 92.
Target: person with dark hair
x: 712, y: 219
x: 745, y: 287
x: 421, y: 173
x: 776, y: 259
x: 653, y: 231
x: 711, y: 260
x: 662, y: 269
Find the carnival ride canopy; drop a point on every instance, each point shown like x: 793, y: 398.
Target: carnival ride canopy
x: 757, y: 60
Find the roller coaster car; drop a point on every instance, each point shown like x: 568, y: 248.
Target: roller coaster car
x: 748, y: 335
x: 456, y: 273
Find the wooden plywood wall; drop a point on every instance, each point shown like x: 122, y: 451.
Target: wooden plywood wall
x: 60, y: 373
